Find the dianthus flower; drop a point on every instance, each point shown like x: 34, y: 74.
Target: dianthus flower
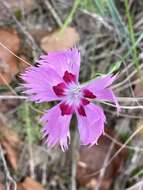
x: 56, y: 78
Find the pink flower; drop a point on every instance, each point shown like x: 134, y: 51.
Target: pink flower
x: 56, y: 78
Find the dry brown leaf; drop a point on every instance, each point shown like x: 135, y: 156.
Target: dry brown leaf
x: 8, y: 63
x: 29, y: 184
x: 16, y: 6
x: 26, y: 5
x: 7, y: 105
x: 91, y: 160
x: 140, y: 125
x: 21, y: 64
x: 9, y: 135
x: 38, y: 34
x: 139, y: 89
x: 92, y: 184
x: 57, y: 41
x: 1, y: 185
x: 11, y: 154
x: 10, y: 142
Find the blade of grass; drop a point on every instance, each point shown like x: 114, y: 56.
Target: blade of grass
x: 106, y: 8
x: 117, y: 65
x: 70, y: 16
x: 100, y: 6
x: 132, y: 37
x: 118, y: 23
x: 88, y: 5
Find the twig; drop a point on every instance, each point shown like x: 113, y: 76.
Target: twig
x: 130, y: 86
x: 127, y: 78
x: 136, y: 176
x: 137, y: 81
x: 14, y: 54
x: 117, y: 152
x: 44, y: 174
x: 54, y: 13
x: 131, y: 116
x: 12, y: 97
x: 124, y: 70
x: 122, y: 99
x: 98, y: 18
x: 29, y: 136
x: 121, y: 144
x: 122, y: 107
x: 6, y: 83
x: 8, y: 179
x: 129, y: 99
x: 102, y: 172
x: 36, y: 50
x: 138, y: 186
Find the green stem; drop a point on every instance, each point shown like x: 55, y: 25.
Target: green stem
x: 28, y: 123
x: 118, y: 63
x: 71, y: 14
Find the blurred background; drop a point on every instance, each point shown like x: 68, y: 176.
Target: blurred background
x: 109, y: 35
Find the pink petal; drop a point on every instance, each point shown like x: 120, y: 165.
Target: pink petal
x: 100, y: 89
x: 62, y: 61
x: 39, y: 83
x: 91, y: 126
x: 108, y: 95
x: 100, y: 83
x: 56, y: 127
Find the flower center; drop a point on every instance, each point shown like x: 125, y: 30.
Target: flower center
x: 73, y: 97
x: 73, y: 94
